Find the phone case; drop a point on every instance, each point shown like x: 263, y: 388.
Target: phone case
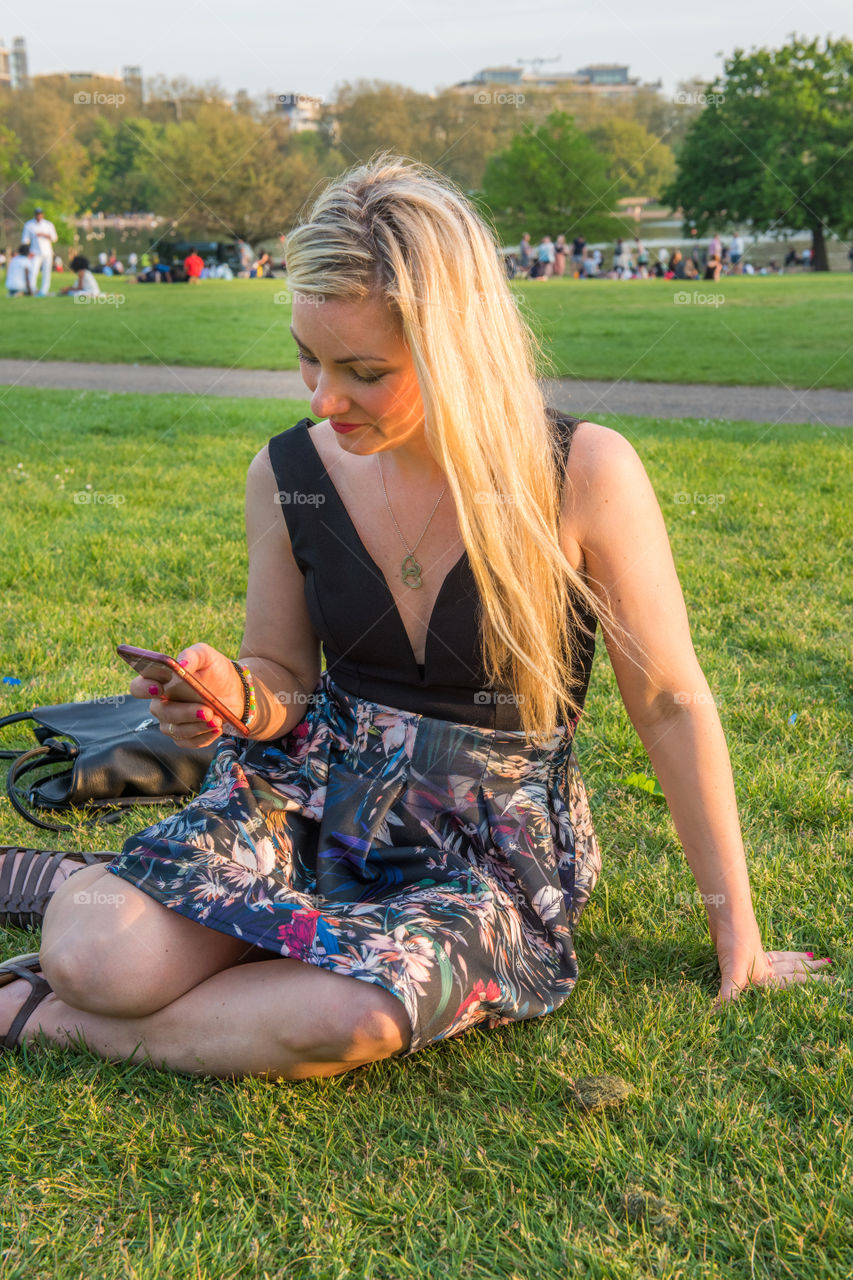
x: 139, y: 659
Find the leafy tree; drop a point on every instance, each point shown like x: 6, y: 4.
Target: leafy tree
x: 231, y: 175
x: 772, y: 146
x: 553, y: 178
x: 638, y: 163
x: 128, y: 173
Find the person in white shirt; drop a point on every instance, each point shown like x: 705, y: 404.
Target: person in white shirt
x: 85, y: 282
x: 40, y: 234
x: 18, y: 272
x: 736, y: 253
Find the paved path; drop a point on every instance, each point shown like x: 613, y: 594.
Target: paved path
x: 588, y: 399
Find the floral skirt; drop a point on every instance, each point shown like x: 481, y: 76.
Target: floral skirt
x: 444, y: 862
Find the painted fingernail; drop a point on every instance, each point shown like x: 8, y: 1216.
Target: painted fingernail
x: 827, y: 959
x: 153, y: 688
x: 201, y: 714
x: 810, y: 955
x: 184, y: 662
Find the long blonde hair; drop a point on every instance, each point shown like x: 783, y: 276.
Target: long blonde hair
x: 398, y: 229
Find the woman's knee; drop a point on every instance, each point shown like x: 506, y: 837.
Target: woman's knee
x: 377, y: 1027
x: 108, y: 947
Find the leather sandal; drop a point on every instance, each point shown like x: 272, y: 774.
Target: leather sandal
x: 23, y: 966
x: 23, y: 904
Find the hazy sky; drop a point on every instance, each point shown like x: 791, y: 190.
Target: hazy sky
x: 309, y: 48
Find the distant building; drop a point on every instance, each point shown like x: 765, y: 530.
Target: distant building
x: 132, y: 79
x: 301, y: 110
x: 604, y: 79
x: 13, y: 66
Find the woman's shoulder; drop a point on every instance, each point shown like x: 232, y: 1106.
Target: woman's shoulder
x: 603, y: 470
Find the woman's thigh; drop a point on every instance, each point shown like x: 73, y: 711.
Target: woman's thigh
x: 108, y: 947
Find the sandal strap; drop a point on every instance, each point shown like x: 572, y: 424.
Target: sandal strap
x: 23, y: 903
x: 40, y: 988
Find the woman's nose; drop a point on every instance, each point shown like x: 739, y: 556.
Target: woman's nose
x: 327, y: 398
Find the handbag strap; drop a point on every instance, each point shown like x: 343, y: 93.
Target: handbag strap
x: 15, y: 718
x: 35, y: 758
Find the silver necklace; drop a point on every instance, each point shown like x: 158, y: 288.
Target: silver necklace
x: 410, y: 569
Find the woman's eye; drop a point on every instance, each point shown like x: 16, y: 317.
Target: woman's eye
x: 300, y: 355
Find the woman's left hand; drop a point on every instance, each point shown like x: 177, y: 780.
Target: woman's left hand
x: 767, y: 968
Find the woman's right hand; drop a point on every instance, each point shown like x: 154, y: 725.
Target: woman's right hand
x: 191, y: 723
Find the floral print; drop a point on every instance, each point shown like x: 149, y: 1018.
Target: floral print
x: 444, y: 862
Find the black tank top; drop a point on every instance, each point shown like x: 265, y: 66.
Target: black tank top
x: 367, y: 650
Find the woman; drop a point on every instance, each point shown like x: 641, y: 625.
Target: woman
x: 560, y: 251
x: 85, y: 284
x: 402, y: 848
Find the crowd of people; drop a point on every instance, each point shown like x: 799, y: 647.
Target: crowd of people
x: 30, y: 267
x: 635, y: 261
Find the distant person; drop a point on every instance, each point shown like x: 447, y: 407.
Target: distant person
x: 18, y: 273
x: 40, y: 234
x: 642, y: 257
x: 132, y: 262
x: 545, y: 256
x: 676, y: 266
x: 144, y: 261
x: 223, y: 272
x: 736, y: 246
x: 193, y: 265
x: 102, y: 260
x: 525, y: 254
x: 245, y: 259
x: 560, y: 250
x: 85, y: 284
x: 663, y: 258
x: 619, y: 256
x: 590, y: 266
x: 578, y: 248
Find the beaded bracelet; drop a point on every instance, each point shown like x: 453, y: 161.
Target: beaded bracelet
x: 250, y: 706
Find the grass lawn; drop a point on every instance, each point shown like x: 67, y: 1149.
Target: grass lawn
x: 470, y: 1159
x: 791, y: 330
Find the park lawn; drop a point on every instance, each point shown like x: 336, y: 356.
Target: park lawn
x: 789, y: 330
x: 469, y: 1159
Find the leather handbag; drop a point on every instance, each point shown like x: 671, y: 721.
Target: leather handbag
x: 105, y: 756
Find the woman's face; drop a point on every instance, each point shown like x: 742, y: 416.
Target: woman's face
x: 380, y: 391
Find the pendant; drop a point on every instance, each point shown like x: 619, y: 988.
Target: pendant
x: 411, y: 572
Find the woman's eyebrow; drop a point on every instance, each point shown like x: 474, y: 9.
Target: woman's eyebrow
x: 344, y: 359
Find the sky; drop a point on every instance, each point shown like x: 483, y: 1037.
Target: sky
x: 309, y: 49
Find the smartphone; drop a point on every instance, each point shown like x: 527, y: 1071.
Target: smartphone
x: 142, y: 659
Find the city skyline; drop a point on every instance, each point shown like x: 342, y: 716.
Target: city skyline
x: 426, y: 52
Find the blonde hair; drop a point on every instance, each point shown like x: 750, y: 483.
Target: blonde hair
x: 398, y: 229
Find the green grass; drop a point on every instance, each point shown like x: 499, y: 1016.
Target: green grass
x: 469, y: 1159
x: 792, y: 330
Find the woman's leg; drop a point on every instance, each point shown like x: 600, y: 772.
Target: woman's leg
x: 278, y: 1019
x: 108, y: 947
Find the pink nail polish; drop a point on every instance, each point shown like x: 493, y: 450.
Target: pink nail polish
x: 184, y: 662
x: 810, y: 955
x: 153, y: 688
x: 201, y: 714
x: 827, y: 959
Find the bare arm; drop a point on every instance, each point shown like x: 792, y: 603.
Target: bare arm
x: 279, y: 644
x: 612, y: 513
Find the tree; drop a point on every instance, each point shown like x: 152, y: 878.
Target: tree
x: 233, y: 176
x: 638, y: 162
x: 552, y: 177
x: 772, y: 146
